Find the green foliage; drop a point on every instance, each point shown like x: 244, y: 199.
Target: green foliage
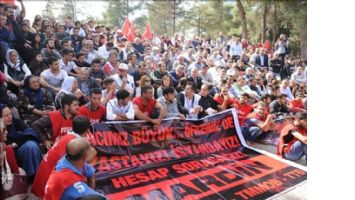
x: 117, y: 11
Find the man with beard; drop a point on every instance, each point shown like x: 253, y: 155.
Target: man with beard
x: 57, y: 123
x: 50, y: 50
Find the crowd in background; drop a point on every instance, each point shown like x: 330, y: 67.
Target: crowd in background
x: 53, y: 71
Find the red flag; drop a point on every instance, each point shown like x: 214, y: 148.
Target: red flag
x: 147, y: 33
x: 8, y: 2
x: 126, y: 26
x: 131, y: 35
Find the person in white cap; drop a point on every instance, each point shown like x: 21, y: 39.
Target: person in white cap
x: 123, y: 79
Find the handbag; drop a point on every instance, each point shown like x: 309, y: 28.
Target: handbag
x: 13, y: 186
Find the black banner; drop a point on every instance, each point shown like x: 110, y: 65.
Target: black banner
x: 192, y: 159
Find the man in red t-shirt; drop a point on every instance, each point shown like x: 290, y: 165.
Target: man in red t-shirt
x: 259, y: 122
x: 145, y: 104
x: 93, y: 110
x: 293, y: 138
x: 243, y: 108
x: 224, y: 100
x: 81, y: 127
x: 296, y: 104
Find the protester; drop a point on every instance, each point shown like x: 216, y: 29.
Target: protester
x: 67, y: 180
x: 169, y: 101
x: 147, y: 108
x: 93, y: 109
x: 81, y: 127
x: 57, y: 123
x: 121, y: 107
x: 189, y: 101
x: 207, y: 103
x: 293, y: 139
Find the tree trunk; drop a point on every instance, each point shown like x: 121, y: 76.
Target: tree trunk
x: 220, y: 15
x: 174, y: 16
x: 303, y: 37
x: 263, y: 26
x: 242, y: 19
x: 275, y: 28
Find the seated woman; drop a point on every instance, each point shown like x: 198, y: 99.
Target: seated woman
x: 15, y: 71
x: 144, y: 81
x: 69, y: 86
x: 166, y: 82
x: 37, y: 65
x: 33, y: 101
x: 24, y: 140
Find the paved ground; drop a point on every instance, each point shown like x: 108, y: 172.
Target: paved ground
x: 298, y: 193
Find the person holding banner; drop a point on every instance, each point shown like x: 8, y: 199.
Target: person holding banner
x: 189, y: 101
x: 81, y: 127
x: 293, y: 139
x: 258, y: 123
x: 145, y: 106
x: 68, y: 180
x: 169, y: 101
x: 121, y: 107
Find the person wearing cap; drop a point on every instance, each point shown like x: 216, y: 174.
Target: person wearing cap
x: 123, y: 79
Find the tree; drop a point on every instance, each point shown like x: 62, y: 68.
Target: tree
x: 243, y: 19
x: 48, y: 11
x: 116, y: 11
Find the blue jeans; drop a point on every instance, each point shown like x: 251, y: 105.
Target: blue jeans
x: 251, y: 133
x: 298, y: 149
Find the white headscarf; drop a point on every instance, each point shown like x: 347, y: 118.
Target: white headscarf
x: 12, y: 65
x: 67, y: 85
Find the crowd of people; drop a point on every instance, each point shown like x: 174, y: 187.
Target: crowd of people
x: 57, y: 78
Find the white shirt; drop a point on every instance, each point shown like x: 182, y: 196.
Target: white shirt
x: 129, y: 86
x: 302, y: 78
x: 91, y: 56
x: 287, y: 91
x: 236, y: 49
x: 52, y: 79
x: 103, y: 52
x: 112, y: 109
x: 190, y: 104
x: 69, y: 67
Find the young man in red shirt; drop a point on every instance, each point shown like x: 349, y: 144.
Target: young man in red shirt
x: 81, y: 127
x: 145, y: 105
x: 296, y: 104
x: 258, y: 123
x: 293, y: 139
x: 57, y: 123
x: 243, y: 108
x: 93, y: 110
x: 224, y: 100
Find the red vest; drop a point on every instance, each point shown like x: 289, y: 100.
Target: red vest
x: 149, y: 108
x: 243, y: 111
x: 281, y: 147
x: 94, y: 116
x: 59, y: 181
x: 48, y: 163
x: 60, y: 126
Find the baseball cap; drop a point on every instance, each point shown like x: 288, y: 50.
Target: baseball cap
x: 123, y: 66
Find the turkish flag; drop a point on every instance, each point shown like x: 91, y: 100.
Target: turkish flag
x: 131, y: 35
x: 126, y: 26
x: 148, y: 32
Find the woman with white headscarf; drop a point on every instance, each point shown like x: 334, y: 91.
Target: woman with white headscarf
x: 69, y: 86
x: 15, y: 71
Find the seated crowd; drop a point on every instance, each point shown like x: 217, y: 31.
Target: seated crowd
x: 56, y: 79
